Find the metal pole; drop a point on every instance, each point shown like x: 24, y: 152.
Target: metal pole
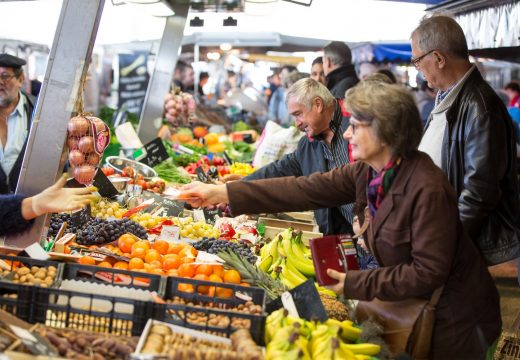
x: 67, y: 66
x: 196, y: 56
x: 162, y: 75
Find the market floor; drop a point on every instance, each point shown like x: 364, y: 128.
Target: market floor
x: 506, y: 279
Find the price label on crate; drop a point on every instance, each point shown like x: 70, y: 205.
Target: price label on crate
x: 170, y: 233
x: 198, y: 215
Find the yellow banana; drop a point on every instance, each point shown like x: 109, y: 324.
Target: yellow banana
x: 341, y: 352
x: 325, y: 291
x: 364, y: 348
x: 362, y: 357
x: 264, y: 250
x: 349, y: 332
x: 290, y: 277
x: 273, y: 250
x: 294, y: 270
x: 266, y: 263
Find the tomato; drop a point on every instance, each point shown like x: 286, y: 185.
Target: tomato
x: 107, y: 170
x: 128, y: 172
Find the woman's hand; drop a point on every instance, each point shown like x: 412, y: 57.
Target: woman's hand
x: 338, y: 288
x: 198, y: 194
x: 56, y: 198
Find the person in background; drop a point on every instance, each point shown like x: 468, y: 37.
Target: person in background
x: 317, y: 70
x: 470, y: 136
x: 203, y: 80
x: 413, y: 225
x: 277, y: 110
x: 318, y: 114
x: 17, y: 211
x: 184, y: 76
x: 427, y: 103
x: 389, y: 74
x: 16, y: 108
x: 339, y: 72
x: 513, y: 93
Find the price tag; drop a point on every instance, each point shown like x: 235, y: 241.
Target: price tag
x: 170, y: 233
x: 155, y: 153
x: 305, y: 294
x: 211, y: 215
x: 201, y: 175
x: 35, y: 251
x: 171, y: 207
x: 81, y: 217
x: 35, y: 343
x: 198, y: 215
x: 289, y: 305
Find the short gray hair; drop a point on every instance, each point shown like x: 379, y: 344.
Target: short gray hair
x: 338, y: 52
x: 441, y: 33
x: 304, y: 91
x: 391, y: 111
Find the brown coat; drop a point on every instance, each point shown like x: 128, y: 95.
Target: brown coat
x: 418, y: 241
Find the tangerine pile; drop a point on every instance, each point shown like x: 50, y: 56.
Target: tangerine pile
x: 169, y: 259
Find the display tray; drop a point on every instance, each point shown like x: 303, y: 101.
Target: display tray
x: 11, y: 271
x: 222, y: 316
x: 116, y: 277
x: 90, y: 312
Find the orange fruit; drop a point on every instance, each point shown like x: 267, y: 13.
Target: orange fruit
x: 215, y: 278
x: 125, y: 242
x: 172, y: 272
x: 224, y: 292
x: 187, y: 260
x: 87, y: 260
x: 155, y: 264
x: 245, y: 284
x: 105, y: 264
x: 188, y: 251
x: 204, y: 269
x: 66, y: 249
x: 161, y: 246
x: 171, y: 261
x: 109, y: 247
x: 186, y: 270
x: 152, y: 255
x: 138, y: 252
x: 218, y: 270
x: 140, y: 244
x: 157, y: 271
x: 175, y: 248
x: 202, y: 289
x: 135, y: 263
x: 232, y: 276
x: 186, y: 288
x: 122, y: 265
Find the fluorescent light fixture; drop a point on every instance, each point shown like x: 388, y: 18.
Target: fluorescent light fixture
x: 213, y: 55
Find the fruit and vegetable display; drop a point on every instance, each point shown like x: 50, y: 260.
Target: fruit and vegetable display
x: 87, y: 345
x: 33, y: 275
x: 87, y: 138
x: 288, y: 337
x: 214, y: 246
x: 99, y: 231
x: 168, y: 171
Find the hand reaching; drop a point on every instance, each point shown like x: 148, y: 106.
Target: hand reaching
x: 198, y: 194
x: 56, y: 198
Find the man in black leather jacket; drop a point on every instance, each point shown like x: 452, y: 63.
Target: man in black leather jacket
x: 340, y: 74
x: 471, y: 137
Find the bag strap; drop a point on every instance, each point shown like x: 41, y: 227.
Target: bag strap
x: 436, y: 296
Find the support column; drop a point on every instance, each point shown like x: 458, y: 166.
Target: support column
x: 162, y: 75
x: 67, y: 66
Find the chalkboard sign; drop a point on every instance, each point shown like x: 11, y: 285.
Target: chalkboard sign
x: 227, y: 158
x: 303, y: 295
x: 201, y: 175
x: 155, y: 153
x: 210, y: 215
x: 81, y: 217
x: 105, y: 187
x: 171, y: 207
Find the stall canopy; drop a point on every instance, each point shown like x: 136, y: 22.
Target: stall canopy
x: 382, y: 52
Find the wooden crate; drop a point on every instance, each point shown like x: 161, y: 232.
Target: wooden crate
x: 297, y: 225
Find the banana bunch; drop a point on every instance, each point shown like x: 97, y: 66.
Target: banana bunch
x: 287, y: 259
x: 288, y: 337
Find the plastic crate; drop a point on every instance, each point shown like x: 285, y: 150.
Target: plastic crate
x: 184, y: 315
x: 17, y: 299
x: 18, y: 261
x: 116, y: 277
x: 91, y: 312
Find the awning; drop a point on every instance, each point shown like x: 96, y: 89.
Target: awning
x: 382, y: 53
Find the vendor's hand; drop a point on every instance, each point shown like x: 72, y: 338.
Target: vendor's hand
x: 338, y: 288
x: 231, y: 177
x: 59, y: 199
x: 198, y: 194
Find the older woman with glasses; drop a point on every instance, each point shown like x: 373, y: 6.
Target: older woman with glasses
x: 414, y: 232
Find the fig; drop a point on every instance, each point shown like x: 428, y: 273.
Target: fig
x: 84, y: 174
x: 86, y: 144
x: 78, y: 126
x: 76, y: 158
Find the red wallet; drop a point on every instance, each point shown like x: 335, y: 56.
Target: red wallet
x: 329, y: 252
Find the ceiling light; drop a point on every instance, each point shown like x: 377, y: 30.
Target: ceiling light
x: 196, y: 22
x: 213, y: 55
x: 225, y: 46
x: 230, y: 22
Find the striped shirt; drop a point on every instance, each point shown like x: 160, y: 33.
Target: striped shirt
x: 336, y: 155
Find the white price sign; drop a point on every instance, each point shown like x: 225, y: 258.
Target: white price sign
x: 170, y: 233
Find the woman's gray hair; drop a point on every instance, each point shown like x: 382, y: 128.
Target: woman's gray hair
x: 441, y: 33
x: 391, y: 111
x: 304, y: 91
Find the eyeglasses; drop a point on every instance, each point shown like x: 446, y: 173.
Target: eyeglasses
x: 415, y: 61
x: 6, y: 77
x: 356, y: 126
